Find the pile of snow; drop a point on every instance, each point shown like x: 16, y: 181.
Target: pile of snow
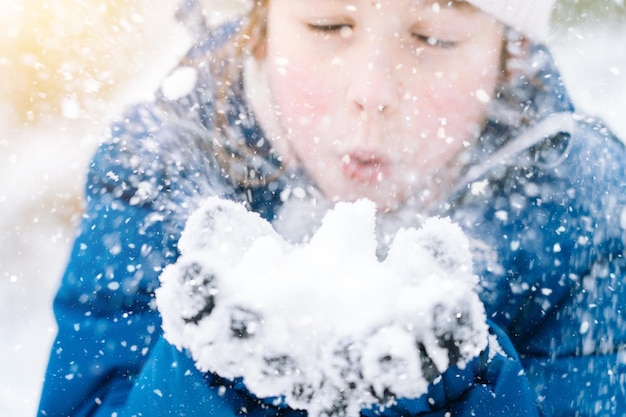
x: 323, y: 326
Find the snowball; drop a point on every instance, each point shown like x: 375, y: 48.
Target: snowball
x: 324, y: 325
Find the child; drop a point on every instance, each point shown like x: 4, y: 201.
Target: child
x: 427, y: 108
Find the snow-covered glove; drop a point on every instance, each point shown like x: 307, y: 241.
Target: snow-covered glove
x: 323, y: 326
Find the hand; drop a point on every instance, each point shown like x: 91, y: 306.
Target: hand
x: 325, y: 325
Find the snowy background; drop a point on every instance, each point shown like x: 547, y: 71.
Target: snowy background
x: 68, y: 68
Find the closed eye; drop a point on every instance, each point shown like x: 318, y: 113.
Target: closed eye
x: 434, y: 42
x: 329, y: 28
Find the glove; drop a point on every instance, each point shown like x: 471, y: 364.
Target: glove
x: 323, y: 326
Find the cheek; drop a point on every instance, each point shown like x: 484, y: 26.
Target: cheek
x: 458, y: 105
x: 464, y: 113
x: 303, y: 98
x: 459, y: 90
x: 304, y: 102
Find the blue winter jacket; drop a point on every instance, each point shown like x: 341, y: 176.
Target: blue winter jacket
x: 547, y: 205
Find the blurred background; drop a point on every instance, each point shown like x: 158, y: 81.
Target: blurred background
x: 68, y: 68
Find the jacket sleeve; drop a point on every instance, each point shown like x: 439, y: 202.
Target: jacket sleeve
x: 571, y: 330
x: 576, y: 357
x: 494, y: 384
x: 107, y: 322
x: 588, y: 377
x: 556, y: 285
x: 170, y: 384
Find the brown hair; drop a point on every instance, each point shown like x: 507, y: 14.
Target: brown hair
x: 225, y: 68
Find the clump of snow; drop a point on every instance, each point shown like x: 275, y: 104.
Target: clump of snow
x: 179, y: 83
x: 324, y: 326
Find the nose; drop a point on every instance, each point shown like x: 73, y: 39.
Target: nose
x: 373, y: 88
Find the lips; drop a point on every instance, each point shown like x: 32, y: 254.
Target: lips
x: 364, y: 167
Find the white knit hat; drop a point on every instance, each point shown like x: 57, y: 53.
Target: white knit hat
x: 529, y: 17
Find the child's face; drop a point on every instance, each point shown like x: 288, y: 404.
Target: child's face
x: 378, y: 98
